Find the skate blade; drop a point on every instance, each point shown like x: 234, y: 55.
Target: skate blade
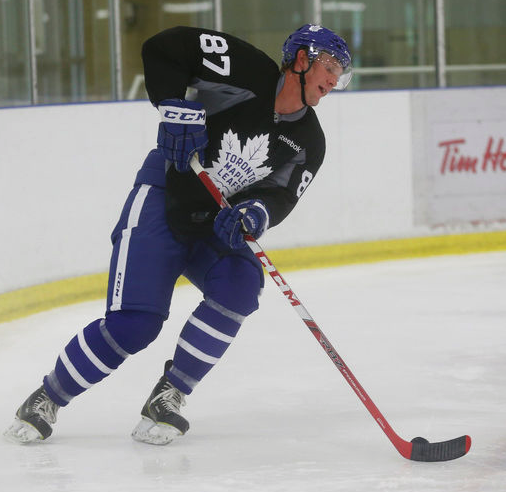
x: 150, y: 432
x: 22, y: 432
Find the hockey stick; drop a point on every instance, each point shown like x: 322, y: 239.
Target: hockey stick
x: 419, y: 449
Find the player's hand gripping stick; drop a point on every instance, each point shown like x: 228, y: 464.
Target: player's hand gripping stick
x: 249, y: 217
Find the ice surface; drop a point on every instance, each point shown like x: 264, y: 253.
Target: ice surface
x: 426, y: 338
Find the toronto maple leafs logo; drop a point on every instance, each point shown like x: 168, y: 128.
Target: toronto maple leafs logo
x: 237, y: 166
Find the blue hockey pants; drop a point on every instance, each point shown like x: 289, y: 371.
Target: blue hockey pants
x: 146, y: 261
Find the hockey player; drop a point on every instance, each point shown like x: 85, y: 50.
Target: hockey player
x: 254, y: 130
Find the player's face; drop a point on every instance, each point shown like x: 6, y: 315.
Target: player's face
x: 321, y: 78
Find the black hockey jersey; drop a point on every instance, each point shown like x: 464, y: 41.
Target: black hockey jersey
x: 252, y: 152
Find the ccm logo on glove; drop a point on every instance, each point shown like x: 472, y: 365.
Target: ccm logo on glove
x: 175, y: 115
x: 182, y: 132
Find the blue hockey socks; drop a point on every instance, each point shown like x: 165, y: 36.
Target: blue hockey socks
x: 98, y: 350
x: 204, y: 339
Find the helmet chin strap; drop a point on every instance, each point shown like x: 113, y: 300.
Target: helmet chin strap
x: 302, y: 80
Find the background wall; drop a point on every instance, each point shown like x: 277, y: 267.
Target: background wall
x: 64, y: 174
x: 66, y: 170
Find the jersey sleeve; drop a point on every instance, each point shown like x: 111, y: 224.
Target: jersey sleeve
x: 281, y: 190
x: 176, y: 57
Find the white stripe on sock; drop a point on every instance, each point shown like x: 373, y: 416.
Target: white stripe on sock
x: 210, y: 330
x: 73, y: 371
x: 110, y: 340
x: 133, y: 221
x: 91, y: 356
x: 188, y: 380
x: 238, y: 318
x: 55, y: 385
x: 196, y: 352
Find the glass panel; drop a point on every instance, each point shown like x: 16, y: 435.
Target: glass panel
x: 141, y: 19
x: 475, y: 33
x: 73, y: 59
x: 266, y: 23
x: 392, y: 41
x: 384, y: 34
x: 97, y: 52
x: 53, y: 51
x: 14, y: 53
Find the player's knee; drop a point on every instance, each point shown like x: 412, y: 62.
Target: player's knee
x: 235, y: 283
x: 133, y: 330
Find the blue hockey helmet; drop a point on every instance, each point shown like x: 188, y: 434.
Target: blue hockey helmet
x: 318, y: 39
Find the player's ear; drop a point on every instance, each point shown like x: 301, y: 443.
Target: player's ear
x: 301, y: 61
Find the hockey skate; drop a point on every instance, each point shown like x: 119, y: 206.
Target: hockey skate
x: 33, y: 419
x: 161, y: 421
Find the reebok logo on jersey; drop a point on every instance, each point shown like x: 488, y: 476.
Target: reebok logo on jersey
x: 291, y: 143
x: 173, y: 114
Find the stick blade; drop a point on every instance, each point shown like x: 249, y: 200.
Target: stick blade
x: 424, y: 450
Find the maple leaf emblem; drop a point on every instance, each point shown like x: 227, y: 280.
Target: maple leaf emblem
x: 238, y: 167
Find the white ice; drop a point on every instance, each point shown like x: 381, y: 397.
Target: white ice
x: 426, y: 338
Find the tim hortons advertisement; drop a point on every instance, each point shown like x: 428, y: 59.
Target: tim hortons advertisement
x: 460, y: 175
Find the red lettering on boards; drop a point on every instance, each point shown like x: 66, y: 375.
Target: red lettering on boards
x: 455, y: 161
x: 497, y: 158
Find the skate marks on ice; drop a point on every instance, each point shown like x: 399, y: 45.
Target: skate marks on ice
x: 424, y: 337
